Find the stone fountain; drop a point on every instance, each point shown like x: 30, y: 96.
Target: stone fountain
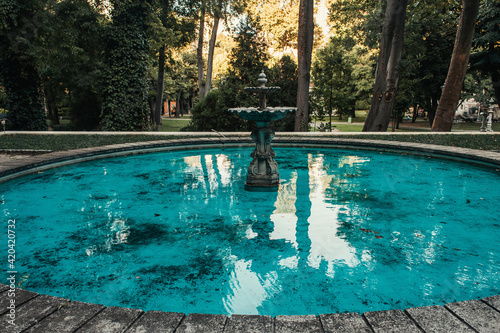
x: 263, y: 170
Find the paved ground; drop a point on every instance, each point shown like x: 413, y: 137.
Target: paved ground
x: 42, y: 313
x: 4, y: 158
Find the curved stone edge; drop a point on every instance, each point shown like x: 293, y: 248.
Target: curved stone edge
x: 36, y: 312
x: 42, y: 313
x: 16, y: 168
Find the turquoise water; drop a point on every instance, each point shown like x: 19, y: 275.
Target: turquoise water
x: 176, y: 231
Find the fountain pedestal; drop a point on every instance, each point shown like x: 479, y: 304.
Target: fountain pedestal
x: 263, y: 170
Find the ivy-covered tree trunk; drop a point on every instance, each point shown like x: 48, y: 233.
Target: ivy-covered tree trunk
x: 125, y: 106
x: 22, y: 86
x: 304, y: 53
x: 18, y: 72
x: 386, y: 77
x: 160, y: 86
x: 458, y: 67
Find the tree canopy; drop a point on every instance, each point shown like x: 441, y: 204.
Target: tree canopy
x: 112, y: 64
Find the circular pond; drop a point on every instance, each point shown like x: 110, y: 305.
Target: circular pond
x: 176, y: 231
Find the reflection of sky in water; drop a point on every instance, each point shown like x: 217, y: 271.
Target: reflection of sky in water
x: 347, y: 231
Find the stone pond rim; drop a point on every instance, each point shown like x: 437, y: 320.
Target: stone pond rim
x: 480, y: 315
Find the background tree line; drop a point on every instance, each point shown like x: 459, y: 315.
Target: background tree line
x: 110, y: 65
x: 421, y: 60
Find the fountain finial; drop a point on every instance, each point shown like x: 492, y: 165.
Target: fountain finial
x: 262, y: 79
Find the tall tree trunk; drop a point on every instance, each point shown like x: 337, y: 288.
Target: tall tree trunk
x: 52, y: 106
x: 304, y: 53
x: 210, y: 60
x: 46, y: 104
x: 386, y: 77
x: 152, y: 107
x: 159, y: 89
x: 458, y: 67
x: 415, y: 113
x: 432, y: 111
x: 178, y: 104
x: 495, y: 80
x: 199, y: 53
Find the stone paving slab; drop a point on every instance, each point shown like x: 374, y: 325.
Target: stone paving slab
x: 249, y: 324
x: 437, y: 319
x: 304, y: 324
x: 68, y: 318
x: 53, y: 314
x: 344, y: 323
x: 157, y: 321
x: 477, y: 314
x: 206, y: 323
x: 391, y: 321
x: 494, y: 301
x: 111, y: 320
x: 19, y: 295
x: 31, y: 313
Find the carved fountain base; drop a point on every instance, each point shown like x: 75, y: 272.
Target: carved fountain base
x: 263, y: 173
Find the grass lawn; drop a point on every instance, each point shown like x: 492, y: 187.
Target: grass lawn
x: 420, y: 126
x: 173, y: 124
x: 75, y: 141
x: 424, y: 126
x: 346, y: 127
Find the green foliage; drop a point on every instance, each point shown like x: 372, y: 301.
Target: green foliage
x: 284, y: 75
x: 485, y: 56
x: 72, y: 71
x: 212, y: 114
x: 85, y: 108
x: 3, y: 100
x: 478, y: 86
x: 19, y: 22
x: 181, y: 78
x: 360, y: 20
x: 247, y: 61
x: 332, y: 72
x: 25, y: 112
x: 125, y: 106
x: 429, y: 39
